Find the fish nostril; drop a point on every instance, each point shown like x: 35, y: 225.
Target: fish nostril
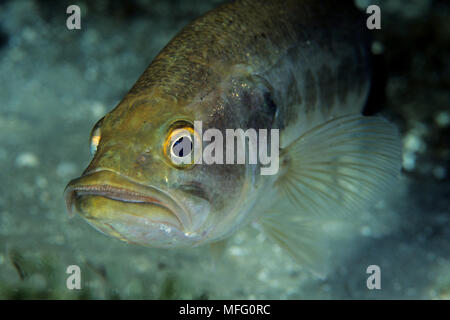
x: 143, y: 158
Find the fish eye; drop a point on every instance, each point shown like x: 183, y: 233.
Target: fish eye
x: 179, y: 145
x: 95, y: 137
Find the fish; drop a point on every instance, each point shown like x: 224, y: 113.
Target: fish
x: 301, y: 68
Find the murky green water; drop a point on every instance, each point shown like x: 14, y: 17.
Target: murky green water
x: 56, y: 83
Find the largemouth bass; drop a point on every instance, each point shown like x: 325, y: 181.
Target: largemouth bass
x: 302, y: 67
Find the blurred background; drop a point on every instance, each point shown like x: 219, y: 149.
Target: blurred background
x: 56, y: 83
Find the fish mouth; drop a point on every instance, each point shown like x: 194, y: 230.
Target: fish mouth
x: 120, y: 207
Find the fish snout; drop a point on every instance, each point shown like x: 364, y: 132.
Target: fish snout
x: 130, y: 211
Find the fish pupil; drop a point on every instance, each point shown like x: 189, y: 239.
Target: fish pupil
x: 182, y: 147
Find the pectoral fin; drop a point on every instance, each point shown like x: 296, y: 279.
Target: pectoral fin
x: 334, y: 169
x: 341, y: 166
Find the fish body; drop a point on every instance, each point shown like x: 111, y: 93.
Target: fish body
x: 302, y: 67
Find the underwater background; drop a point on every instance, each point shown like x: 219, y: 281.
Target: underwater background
x: 56, y: 83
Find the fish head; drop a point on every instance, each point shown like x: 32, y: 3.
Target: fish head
x: 134, y: 191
